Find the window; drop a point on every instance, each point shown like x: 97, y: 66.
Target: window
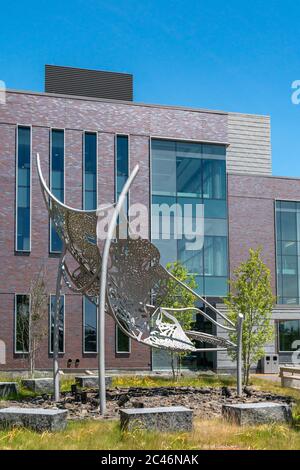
x: 289, y: 335
x: 22, y: 306
x: 122, y: 342
x: 193, y: 174
x: 90, y: 171
x: 288, y: 251
x: 90, y: 326
x: 23, y: 189
x: 61, y: 327
x: 57, y: 186
x: 122, y: 165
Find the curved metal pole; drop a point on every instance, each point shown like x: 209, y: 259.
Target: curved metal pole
x: 102, y: 296
x: 56, y: 326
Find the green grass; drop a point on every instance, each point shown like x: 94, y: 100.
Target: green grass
x: 207, y: 434
x: 23, y: 393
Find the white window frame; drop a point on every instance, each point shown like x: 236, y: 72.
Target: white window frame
x: 50, y: 326
x: 15, y: 322
x: 117, y: 328
x: 83, y: 165
x: 83, y: 329
x: 50, y: 178
x: 28, y: 126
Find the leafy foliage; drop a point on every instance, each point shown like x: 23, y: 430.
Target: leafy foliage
x: 251, y: 294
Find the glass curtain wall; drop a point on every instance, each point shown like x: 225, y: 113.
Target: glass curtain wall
x: 192, y: 174
x: 288, y: 251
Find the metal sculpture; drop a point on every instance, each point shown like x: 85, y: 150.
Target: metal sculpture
x: 126, y: 281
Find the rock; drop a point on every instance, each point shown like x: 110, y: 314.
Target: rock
x: 138, y: 404
x: 257, y: 413
x: 225, y: 391
x: 8, y: 388
x: 166, y: 419
x: 247, y: 391
x: 44, y: 385
x: 38, y: 419
x: 91, y: 381
x: 122, y: 400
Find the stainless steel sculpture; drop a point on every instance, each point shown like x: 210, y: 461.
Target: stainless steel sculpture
x: 125, y: 281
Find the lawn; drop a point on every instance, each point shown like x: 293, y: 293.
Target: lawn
x: 212, y: 434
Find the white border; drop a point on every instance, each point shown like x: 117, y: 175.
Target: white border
x: 16, y: 187
x: 84, y: 132
x: 117, y: 329
x: 83, y: 328
x: 50, y: 177
x: 15, y: 322
x: 64, y: 329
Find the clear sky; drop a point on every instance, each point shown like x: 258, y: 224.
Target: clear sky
x: 233, y: 55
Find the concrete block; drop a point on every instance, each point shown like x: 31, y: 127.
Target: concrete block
x: 38, y: 419
x: 166, y: 419
x: 257, y: 413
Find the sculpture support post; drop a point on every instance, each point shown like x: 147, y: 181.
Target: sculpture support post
x: 102, y: 294
x: 239, y: 353
x: 56, y: 326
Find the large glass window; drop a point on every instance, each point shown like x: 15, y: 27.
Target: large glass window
x: 61, y: 326
x: 23, y: 179
x: 288, y: 251
x: 22, y: 305
x: 57, y: 185
x: 192, y: 174
x: 288, y: 335
x: 90, y: 171
x: 90, y: 326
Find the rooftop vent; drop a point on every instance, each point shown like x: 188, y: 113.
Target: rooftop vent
x: 89, y: 83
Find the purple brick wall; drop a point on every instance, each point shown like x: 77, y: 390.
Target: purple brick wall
x: 75, y: 115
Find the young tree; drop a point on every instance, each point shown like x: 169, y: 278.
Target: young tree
x: 251, y: 294
x: 37, y: 321
x: 178, y: 297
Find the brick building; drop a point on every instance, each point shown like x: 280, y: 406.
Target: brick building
x: 87, y: 145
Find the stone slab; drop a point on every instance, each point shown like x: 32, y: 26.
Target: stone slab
x: 8, y: 388
x: 43, y: 385
x: 91, y: 381
x: 166, y: 419
x: 38, y: 419
x: 290, y: 382
x: 257, y: 413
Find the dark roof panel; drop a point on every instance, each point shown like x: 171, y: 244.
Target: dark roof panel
x: 90, y: 83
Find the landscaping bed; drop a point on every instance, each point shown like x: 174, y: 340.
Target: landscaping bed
x: 206, y: 402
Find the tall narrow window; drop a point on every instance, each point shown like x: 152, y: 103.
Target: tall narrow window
x: 90, y: 326
x: 122, y: 164
x: 23, y: 220
x: 122, y: 171
x: 122, y: 342
x: 90, y: 171
x: 22, y: 305
x: 61, y: 335
x: 57, y: 179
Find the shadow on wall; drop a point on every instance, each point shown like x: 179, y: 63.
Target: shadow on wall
x: 2, y: 352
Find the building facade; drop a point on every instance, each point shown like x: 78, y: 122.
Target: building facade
x: 87, y: 148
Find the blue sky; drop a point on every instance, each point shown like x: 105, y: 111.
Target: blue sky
x: 231, y: 55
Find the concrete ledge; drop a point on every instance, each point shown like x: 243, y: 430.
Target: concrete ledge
x: 166, y: 419
x: 91, y: 381
x: 38, y: 419
x: 8, y: 388
x: 290, y: 381
x: 257, y: 413
x: 44, y: 385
